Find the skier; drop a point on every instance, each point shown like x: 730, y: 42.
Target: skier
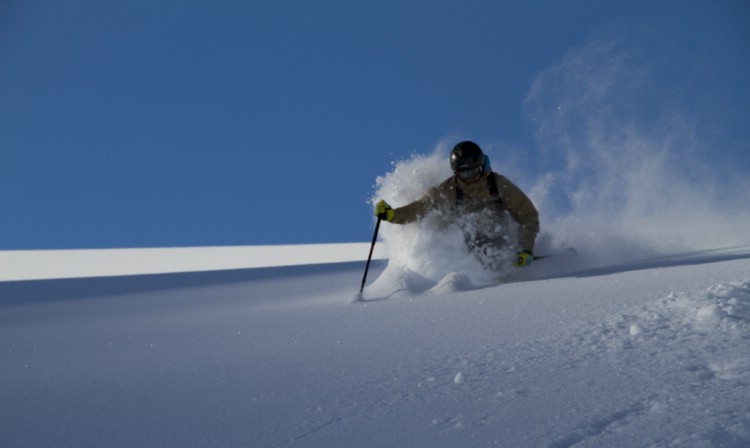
x: 478, y: 200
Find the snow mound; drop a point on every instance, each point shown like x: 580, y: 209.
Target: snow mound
x: 723, y: 309
x: 718, y: 315
x: 451, y: 283
x: 684, y: 330
x: 397, y: 282
x: 729, y: 303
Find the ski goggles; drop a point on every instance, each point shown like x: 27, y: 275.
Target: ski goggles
x: 469, y: 174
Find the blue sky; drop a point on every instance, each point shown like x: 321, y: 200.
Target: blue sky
x: 193, y: 123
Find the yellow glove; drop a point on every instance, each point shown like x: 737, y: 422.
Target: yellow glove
x: 524, y: 258
x: 384, y: 211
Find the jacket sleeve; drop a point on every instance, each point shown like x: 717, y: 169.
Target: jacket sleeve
x: 522, y: 210
x: 436, y: 197
x: 414, y: 211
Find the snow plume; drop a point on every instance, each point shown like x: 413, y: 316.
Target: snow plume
x: 622, y: 168
x: 623, y: 171
x: 422, y: 253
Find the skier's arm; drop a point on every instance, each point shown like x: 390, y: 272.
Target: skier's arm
x: 412, y: 212
x: 408, y: 213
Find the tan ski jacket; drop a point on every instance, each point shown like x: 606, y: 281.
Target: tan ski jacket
x: 492, y: 196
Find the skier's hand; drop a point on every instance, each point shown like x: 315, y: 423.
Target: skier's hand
x: 524, y: 258
x: 384, y: 211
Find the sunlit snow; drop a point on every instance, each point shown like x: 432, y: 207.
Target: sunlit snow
x: 645, y: 353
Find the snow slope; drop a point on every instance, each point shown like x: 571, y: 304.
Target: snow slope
x: 48, y: 264
x: 649, y: 352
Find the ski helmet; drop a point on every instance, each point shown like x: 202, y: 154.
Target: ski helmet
x: 467, y: 160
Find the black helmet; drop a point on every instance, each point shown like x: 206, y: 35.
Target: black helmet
x: 466, y: 155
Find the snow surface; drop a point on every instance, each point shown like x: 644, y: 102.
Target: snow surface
x: 48, y: 264
x: 646, y: 353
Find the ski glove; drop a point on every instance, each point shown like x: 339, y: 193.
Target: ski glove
x: 384, y: 211
x: 524, y: 258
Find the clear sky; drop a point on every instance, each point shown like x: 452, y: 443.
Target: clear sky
x: 149, y: 123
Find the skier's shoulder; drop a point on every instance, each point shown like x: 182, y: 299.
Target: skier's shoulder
x: 513, y: 196
x: 439, y: 192
x: 503, y: 183
x: 499, y: 178
x: 447, y: 185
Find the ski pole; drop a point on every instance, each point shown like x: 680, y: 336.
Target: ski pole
x: 568, y: 251
x: 369, y: 257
